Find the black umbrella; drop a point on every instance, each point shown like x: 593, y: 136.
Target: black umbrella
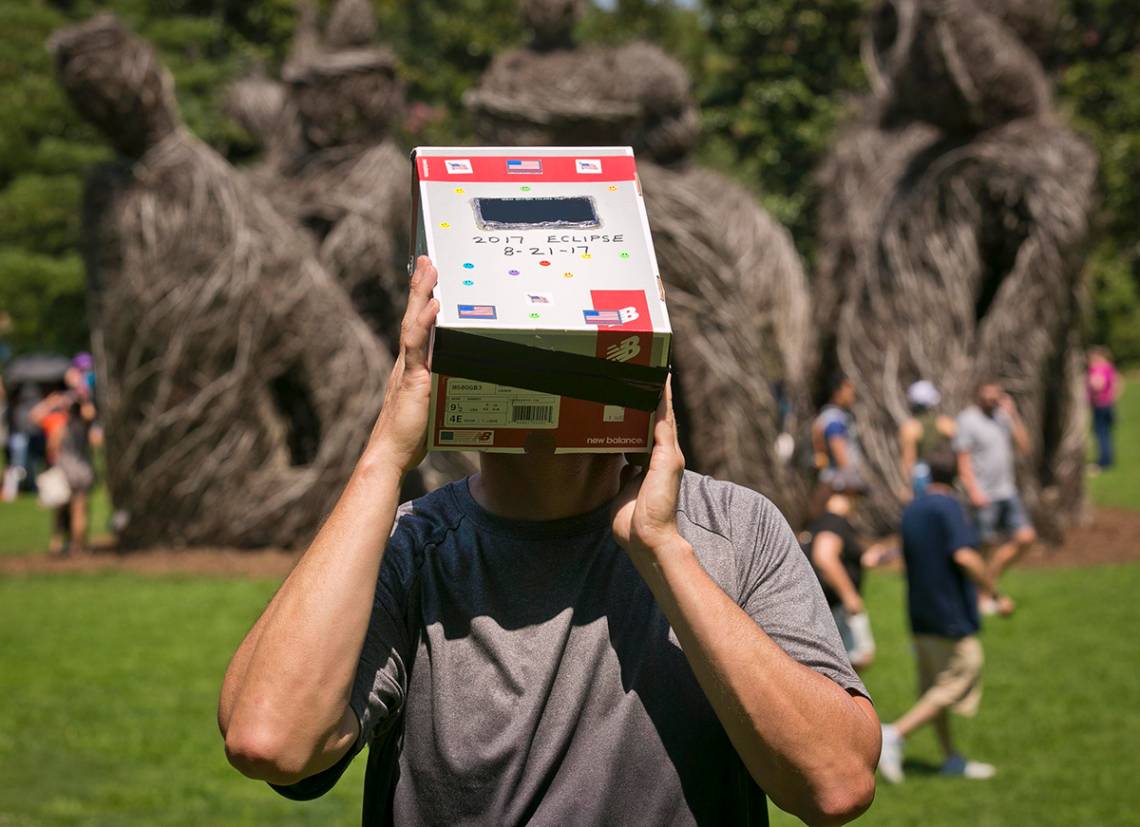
x: 41, y: 368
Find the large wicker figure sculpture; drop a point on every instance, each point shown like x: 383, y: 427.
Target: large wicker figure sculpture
x: 737, y: 293
x: 951, y: 237
x: 332, y: 165
x: 238, y: 383
x: 331, y: 162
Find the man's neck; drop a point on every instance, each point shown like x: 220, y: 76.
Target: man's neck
x: 546, y: 487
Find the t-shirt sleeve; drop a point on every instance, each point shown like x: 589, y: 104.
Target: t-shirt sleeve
x: 834, y: 428
x: 381, y: 681
x: 780, y: 591
x: 960, y: 533
x: 380, y: 684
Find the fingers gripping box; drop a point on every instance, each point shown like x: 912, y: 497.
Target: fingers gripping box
x: 552, y: 330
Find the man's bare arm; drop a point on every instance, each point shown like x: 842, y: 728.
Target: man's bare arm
x: 838, y: 446
x: 812, y: 746
x: 908, y: 444
x: 826, y: 549
x: 284, y: 706
x: 971, y: 562
x: 966, y: 474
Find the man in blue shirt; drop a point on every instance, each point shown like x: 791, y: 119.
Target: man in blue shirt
x: 943, y: 571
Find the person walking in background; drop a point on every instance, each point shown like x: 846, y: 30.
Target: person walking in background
x: 835, y: 441
x: 923, y: 432
x: 944, y: 572
x: 988, y: 433
x: 67, y: 419
x: 1104, y: 385
x: 838, y: 558
x: 24, y: 439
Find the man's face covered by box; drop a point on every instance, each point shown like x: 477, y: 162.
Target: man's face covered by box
x: 552, y: 317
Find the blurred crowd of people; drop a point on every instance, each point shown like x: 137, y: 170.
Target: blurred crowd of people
x: 963, y: 525
x: 49, y: 432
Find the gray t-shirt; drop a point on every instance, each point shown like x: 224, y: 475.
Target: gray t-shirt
x: 521, y: 672
x: 989, y: 442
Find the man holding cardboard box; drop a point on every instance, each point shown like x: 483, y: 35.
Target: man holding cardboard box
x: 556, y: 640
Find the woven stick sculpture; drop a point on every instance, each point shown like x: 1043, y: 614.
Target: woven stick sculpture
x: 332, y: 166
x: 238, y: 385
x: 955, y: 215
x: 735, y: 286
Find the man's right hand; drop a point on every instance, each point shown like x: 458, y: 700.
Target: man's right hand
x: 399, y: 436
x: 978, y: 499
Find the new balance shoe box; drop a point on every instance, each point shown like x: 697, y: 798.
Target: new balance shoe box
x: 552, y: 331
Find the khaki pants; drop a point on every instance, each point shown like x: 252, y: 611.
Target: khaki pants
x: 949, y: 673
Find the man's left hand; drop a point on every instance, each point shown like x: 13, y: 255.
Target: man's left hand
x: 645, y: 516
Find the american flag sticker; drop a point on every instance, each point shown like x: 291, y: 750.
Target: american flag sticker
x: 602, y: 316
x: 531, y: 166
x: 477, y: 311
x: 592, y: 166
x: 458, y: 166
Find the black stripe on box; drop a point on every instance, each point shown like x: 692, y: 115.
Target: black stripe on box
x: 482, y: 359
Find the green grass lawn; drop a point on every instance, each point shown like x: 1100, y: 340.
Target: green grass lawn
x: 1059, y: 716
x: 25, y: 528
x: 109, y: 684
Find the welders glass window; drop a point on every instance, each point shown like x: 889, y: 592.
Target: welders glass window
x: 535, y: 213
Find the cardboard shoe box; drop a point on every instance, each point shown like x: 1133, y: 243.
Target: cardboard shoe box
x: 552, y: 330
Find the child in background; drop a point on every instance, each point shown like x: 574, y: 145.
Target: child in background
x: 838, y: 558
x: 1104, y: 385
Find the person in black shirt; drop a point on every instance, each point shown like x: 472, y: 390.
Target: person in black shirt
x: 943, y: 571
x: 838, y: 558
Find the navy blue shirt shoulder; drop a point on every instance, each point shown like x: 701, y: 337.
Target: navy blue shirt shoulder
x: 941, y: 598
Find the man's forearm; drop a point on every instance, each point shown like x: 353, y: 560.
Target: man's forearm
x: 971, y: 562
x: 286, y: 691
x: 966, y: 474
x: 805, y: 740
x: 1020, y: 435
x: 836, y: 577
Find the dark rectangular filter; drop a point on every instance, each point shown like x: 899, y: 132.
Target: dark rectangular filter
x: 523, y: 213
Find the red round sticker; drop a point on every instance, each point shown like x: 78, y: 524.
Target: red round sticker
x: 544, y: 264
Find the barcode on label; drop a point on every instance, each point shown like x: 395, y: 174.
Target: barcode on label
x: 532, y: 414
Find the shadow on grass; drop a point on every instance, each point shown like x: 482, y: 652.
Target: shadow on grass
x: 916, y: 766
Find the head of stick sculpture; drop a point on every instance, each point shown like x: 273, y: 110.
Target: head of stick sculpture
x: 345, y: 90
x: 116, y: 81
x: 552, y: 22
x: 555, y: 92
x: 959, y: 65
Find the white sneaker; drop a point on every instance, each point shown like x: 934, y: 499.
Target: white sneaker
x: 890, y: 759
x: 11, y: 485
x: 959, y: 767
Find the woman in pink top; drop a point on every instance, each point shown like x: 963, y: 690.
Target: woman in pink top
x: 1104, y: 388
